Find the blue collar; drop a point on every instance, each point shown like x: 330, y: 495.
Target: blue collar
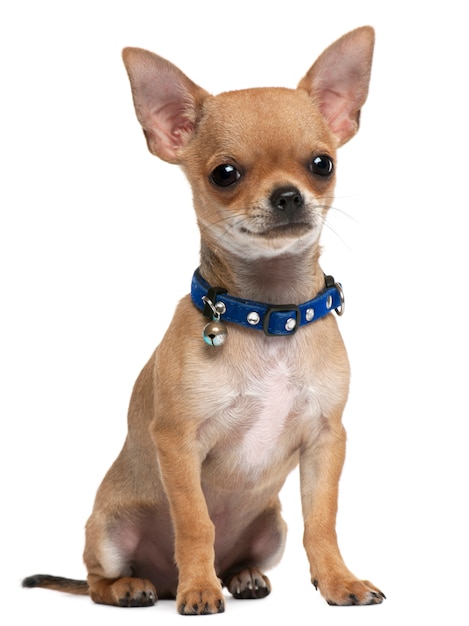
x: 273, y: 319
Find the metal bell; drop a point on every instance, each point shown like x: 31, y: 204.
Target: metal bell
x: 215, y: 333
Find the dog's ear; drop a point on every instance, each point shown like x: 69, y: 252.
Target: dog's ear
x: 167, y: 103
x: 338, y: 81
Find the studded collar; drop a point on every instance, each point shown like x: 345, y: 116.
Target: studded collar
x: 273, y: 319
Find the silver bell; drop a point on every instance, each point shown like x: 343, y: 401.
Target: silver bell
x: 215, y: 333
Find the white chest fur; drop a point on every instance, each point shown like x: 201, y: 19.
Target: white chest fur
x: 260, y: 408
x: 271, y: 397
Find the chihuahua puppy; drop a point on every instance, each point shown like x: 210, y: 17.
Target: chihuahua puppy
x: 252, y: 376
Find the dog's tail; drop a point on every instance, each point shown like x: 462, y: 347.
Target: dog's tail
x: 57, y: 583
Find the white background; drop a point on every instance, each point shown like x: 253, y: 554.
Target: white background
x: 98, y: 242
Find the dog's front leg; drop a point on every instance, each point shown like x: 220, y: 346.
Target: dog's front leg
x: 199, y: 589
x: 320, y: 469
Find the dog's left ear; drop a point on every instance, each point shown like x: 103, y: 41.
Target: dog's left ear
x: 339, y: 80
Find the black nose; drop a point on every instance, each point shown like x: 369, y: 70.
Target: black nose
x: 287, y: 199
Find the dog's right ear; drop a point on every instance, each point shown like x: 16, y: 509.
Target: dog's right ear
x: 167, y: 103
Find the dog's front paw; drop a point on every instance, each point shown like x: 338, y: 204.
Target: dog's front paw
x: 193, y: 601
x: 248, y: 584
x: 349, y: 591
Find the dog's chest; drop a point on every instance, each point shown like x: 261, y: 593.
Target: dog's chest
x: 263, y: 409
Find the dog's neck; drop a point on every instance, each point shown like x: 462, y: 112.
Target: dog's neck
x: 281, y: 279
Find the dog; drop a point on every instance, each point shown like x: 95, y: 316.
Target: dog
x: 252, y: 376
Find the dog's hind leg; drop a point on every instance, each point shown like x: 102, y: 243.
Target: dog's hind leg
x: 117, y: 586
x: 260, y: 546
x: 124, y: 592
x: 112, y: 578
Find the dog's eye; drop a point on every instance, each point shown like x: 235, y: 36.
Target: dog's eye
x: 322, y: 165
x: 225, y: 175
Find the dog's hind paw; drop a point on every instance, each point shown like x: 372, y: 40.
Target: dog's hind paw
x: 124, y: 592
x: 248, y: 584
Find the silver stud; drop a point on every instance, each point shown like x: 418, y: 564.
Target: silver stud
x: 309, y: 314
x: 253, y: 318
x: 329, y: 302
x: 290, y: 323
x: 220, y: 308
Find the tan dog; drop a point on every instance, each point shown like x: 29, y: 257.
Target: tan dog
x: 191, y: 503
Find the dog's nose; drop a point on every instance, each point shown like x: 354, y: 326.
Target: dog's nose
x: 287, y: 199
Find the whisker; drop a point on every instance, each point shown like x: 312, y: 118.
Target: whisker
x: 332, y: 230
x: 233, y: 221
x: 345, y: 214
x: 325, y: 222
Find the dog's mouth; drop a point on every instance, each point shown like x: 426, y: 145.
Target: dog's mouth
x: 286, y: 215
x: 294, y: 230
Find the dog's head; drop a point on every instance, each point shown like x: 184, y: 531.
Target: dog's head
x: 261, y: 162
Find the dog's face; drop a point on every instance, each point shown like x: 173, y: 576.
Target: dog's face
x: 260, y: 161
x: 261, y: 167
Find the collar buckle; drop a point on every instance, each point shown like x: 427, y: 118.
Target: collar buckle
x: 284, y: 323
